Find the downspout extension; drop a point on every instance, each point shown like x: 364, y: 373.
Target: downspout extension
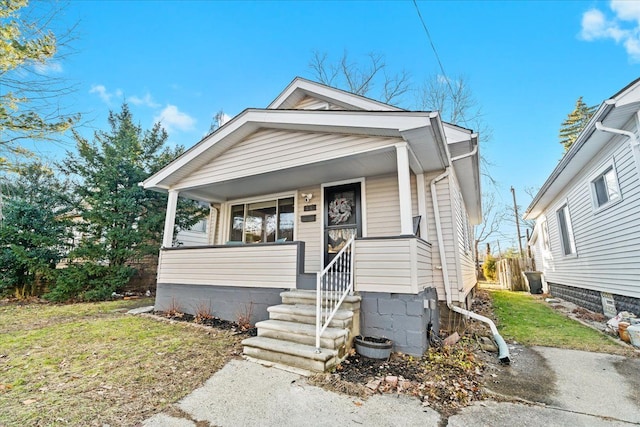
x: 633, y: 140
x: 503, y: 355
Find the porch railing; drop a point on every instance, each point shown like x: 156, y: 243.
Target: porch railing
x: 334, y: 283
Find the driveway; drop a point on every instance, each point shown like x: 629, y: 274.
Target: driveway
x: 544, y: 386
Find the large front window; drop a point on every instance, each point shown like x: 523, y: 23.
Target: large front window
x: 260, y: 222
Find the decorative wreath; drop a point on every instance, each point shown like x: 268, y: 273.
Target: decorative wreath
x: 339, y: 210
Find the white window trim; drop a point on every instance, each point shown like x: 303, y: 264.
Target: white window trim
x: 226, y: 208
x: 363, y: 210
x: 570, y: 232
x: 594, y: 197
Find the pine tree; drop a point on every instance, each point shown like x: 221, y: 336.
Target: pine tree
x: 575, y: 122
x: 121, y: 222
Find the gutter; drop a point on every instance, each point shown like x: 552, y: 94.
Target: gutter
x: 502, y: 345
x: 634, y: 142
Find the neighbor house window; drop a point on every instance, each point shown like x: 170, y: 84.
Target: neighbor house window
x: 260, y: 222
x: 566, y: 231
x: 605, y: 187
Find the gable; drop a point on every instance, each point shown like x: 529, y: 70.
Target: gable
x: 300, y: 88
x: 313, y: 103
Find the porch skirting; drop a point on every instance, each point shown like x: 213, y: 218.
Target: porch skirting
x: 225, y: 302
x: 400, y: 317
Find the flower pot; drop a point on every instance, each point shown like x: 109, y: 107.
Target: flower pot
x: 373, y: 347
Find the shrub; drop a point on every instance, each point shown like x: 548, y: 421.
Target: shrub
x: 489, y: 267
x: 89, y: 282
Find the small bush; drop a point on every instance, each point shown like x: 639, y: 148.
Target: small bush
x: 489, y: 267
x: 89, y: 282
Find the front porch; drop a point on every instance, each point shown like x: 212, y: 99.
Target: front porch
x: 396, y: 264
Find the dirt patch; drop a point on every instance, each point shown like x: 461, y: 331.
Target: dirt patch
x: 629, y: 369
x: 210, y: 321
x: 527, y: 377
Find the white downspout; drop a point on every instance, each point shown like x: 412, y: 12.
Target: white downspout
x: 502, y: 345
x: 633, y: 139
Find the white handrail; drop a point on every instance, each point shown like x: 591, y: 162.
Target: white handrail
x: 333, y: 285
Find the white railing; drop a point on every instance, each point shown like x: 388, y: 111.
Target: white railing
x: 333, y: 285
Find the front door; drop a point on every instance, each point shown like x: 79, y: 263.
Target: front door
x: 342, y: 217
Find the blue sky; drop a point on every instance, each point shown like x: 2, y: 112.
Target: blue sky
x: 526, y: 62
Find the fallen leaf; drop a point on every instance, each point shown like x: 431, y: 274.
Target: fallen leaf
x: 357, y: 403
x: 29, y: 401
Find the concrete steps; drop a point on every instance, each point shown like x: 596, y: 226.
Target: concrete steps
x: 288, y: 337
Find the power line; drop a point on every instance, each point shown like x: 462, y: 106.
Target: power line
x: 433, y: 47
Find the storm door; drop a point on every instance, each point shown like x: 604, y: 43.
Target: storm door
x: 342, y: 217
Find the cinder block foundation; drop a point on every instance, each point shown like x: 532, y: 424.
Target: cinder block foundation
x: 402, y: 318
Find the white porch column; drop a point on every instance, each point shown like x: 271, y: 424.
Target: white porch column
x: 170, y: 219
x: 404, y: 189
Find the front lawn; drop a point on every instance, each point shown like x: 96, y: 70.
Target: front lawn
x: 92, y: 364
x: 530, y: 321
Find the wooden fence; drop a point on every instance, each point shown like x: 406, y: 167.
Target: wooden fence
x: 509, y: 271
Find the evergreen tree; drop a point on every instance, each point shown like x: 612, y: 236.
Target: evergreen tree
x: 33, y: 230
x: 575, y: 122
x: 120, y: 221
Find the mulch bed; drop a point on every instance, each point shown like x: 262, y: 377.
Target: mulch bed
x: 446, y: 378
x: 211, y: 321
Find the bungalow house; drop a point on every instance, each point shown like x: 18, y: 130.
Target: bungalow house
x: 586, y: 238
x: 325, y: 206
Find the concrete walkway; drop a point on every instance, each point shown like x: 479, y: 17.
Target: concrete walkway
x: 561, y: 388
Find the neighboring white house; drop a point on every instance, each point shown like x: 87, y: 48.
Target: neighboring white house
x: 587, y: 234
x: 288, y: 187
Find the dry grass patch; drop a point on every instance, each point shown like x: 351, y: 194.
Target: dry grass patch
x: 89, y: 364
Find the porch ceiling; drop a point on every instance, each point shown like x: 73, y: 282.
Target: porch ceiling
x: 377, y: 162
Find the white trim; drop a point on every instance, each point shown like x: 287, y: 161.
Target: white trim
x: 422, y: 205
x: 570, y: 234
x: 404, y: 189
x: 610, y: 163
x: 327, y: 93
x: 170, y: 219
x: 363, y: 210
x: 226, y: 208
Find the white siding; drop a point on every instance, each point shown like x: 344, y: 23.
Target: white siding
x: 269, y: 266
x: 607, y: 241
x: 271, y: 150
x: 310, y: 232
x: 383, y: 205
x: 192, y: 238
x: 311, y: 103
x: 392, y: 265
x: 465, y: 258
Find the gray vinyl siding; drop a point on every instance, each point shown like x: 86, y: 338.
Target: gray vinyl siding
x: 270, y: 150
x: 607, y: 241
x: 310, y: 232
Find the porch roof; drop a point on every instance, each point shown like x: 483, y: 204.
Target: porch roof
x: 429, y: 139
x: 423, y: 131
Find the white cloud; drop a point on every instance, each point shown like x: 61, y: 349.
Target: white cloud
x: 623, y: 28
x: 172, y: 118
x: 104, y: 94
x: 48, y: 68
x: 145, y: 100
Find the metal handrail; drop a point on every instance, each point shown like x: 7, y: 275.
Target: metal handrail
x: 333, y: 284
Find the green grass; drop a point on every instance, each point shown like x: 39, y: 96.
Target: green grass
x: 91, y: 364
x: 530, y: 321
